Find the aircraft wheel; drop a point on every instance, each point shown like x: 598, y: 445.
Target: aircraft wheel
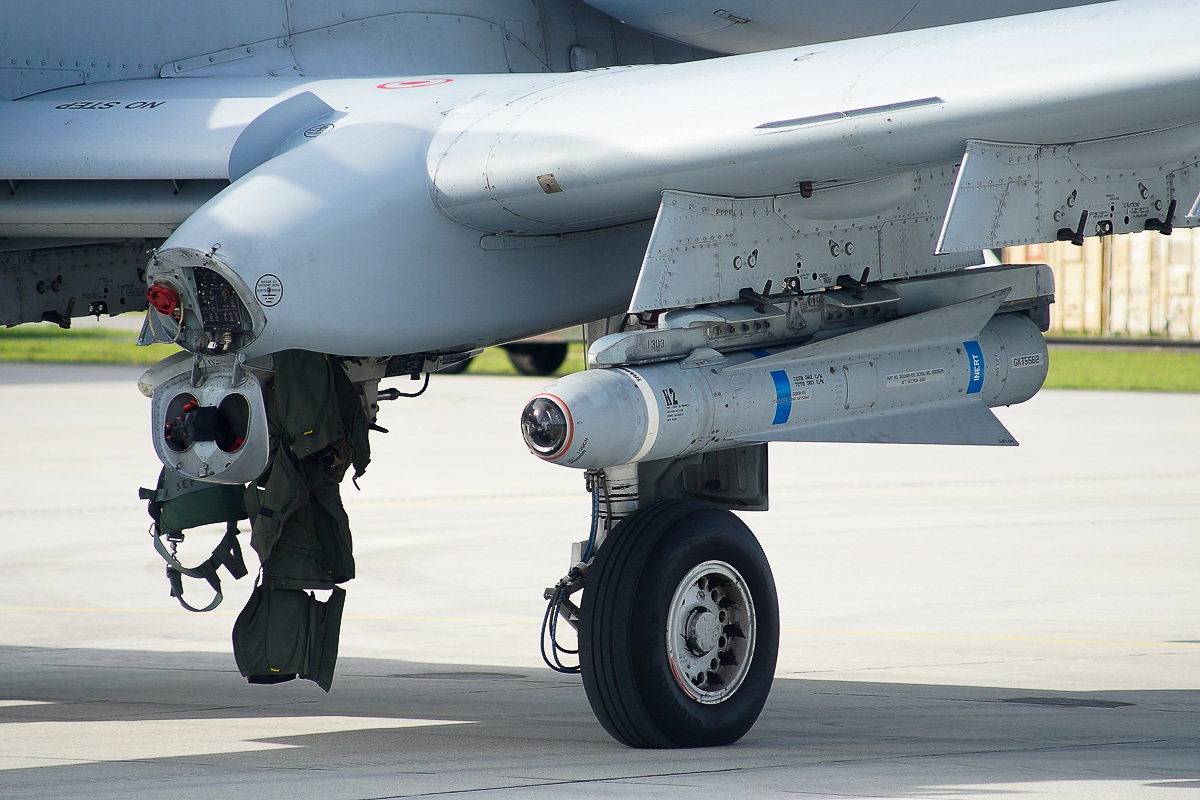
x: 679, y: 627
x: 537, y: 359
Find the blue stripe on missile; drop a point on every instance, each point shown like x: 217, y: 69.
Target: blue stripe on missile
x: 975, y: 354
x: 783, y: 397
x: 759, y: 353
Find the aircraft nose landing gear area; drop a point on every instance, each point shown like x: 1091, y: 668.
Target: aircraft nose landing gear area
x: 679, y: 627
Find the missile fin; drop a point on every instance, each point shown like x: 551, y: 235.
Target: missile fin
x: 960, y: 422
x: 953, y: 323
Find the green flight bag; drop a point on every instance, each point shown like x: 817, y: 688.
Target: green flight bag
x: 284, y: 634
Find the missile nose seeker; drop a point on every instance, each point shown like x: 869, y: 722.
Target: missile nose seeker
x: 917, y: 380
x: 545, y: 427
x: 598, y: 415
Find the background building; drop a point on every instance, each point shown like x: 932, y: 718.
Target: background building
x: 1142, y: 284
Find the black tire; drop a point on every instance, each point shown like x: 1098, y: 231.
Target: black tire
x: 537, y: 359
x: 457, y: 367
x: 626, y: 611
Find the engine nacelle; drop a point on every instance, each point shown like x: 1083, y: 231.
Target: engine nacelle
x: 889, y: 383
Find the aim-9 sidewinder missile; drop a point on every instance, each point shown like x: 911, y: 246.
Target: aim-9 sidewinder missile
x: 925, y: 379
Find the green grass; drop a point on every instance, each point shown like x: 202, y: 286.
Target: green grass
x: 1128, y: 370
x: 49, y: 343
x: 1070, y: 368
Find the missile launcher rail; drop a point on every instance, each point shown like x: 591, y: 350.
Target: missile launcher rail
x: 791, y: 318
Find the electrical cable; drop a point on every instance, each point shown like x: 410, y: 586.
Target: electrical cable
x: 417, y: 393
x: 591, y: 544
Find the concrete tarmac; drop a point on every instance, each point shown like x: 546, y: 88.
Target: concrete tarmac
x: 958, y: 622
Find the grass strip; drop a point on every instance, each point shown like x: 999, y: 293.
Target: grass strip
x: 43, y: 342
x: 1071, y: 367
x: 1124, y: 370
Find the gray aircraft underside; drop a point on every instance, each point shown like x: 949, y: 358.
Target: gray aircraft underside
x: 745, y: 26
x: 796, y: 234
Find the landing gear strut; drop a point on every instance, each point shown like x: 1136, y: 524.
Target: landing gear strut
x: 679, y: 627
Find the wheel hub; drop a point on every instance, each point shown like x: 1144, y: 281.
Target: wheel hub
x: 710, y: 632
x: 703, y: 631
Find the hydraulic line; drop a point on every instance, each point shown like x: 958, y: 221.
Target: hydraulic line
x: 559, y: 604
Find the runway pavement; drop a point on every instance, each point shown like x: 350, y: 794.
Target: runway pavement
x: 958, y: 622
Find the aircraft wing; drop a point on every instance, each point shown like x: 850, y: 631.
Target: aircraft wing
x: 867, y: 155
x: 823, y: 115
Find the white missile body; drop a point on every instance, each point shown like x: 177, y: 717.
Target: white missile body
x: 928, y: 379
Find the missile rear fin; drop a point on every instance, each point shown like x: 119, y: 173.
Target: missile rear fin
x: 956, y: 422
x: 954, y: 323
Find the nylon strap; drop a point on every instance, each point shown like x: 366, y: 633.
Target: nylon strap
x: 227, y: 553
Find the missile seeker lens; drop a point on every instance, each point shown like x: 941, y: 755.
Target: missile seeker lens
x: 544, y: 426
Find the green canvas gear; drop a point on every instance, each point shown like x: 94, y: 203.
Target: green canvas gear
x: 284, y: 634
x: 179, y: 503
x: 317, y: 427
x: 299, y: 528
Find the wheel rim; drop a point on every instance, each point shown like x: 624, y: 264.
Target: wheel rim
x: 710, y: 632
